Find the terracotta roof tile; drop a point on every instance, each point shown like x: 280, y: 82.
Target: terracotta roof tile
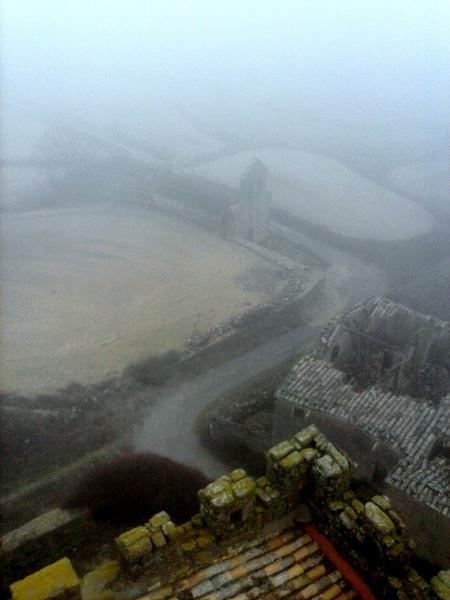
x: 288, y: 563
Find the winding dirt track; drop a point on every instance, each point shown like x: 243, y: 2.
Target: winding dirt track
x: 169, y: 427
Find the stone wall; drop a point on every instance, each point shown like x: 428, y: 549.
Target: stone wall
x: 305, y: 475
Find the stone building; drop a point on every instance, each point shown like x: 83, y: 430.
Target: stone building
x: 243, y: 212
x: 378, y: 380
x: 252, y: 211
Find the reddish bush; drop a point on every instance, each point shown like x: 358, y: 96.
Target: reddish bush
x: 131, y: 488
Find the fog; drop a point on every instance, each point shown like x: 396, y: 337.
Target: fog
x: 145, y: 307
x: 346, y: 78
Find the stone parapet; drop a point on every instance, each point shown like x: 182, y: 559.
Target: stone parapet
x: 372, y: 537
x: 306, y: 471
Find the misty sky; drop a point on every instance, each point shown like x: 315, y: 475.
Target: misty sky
x: 377, y: 71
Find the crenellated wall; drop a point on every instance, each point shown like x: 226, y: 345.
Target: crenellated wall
x: 305, y: 475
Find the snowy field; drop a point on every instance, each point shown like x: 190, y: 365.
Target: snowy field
x: 87, y: 291
x: 429, y: 182
x: 19, y: 141
x: 172, y: 136
x: 327, y: 193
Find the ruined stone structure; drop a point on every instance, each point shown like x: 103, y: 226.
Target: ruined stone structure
x: 385, y: 370
x: 260, y: 539
x: 244, y: 213
x: 253, y: 207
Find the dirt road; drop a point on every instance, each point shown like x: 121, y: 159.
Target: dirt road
x: 169, y: 426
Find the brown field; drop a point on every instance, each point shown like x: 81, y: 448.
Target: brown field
x: 86, y: 291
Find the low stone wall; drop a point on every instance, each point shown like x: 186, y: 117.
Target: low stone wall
x: 429, y: 528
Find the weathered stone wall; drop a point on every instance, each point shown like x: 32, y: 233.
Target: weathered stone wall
x: 305, y: 474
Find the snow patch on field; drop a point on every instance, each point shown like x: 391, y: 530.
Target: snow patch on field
x: 429, y: 182
x: 167, y: 135
x: 327, y: 193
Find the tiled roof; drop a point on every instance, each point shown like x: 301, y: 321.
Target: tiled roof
x: 409, y: 425
x: 275, y: 566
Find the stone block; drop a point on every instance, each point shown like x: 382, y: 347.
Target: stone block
x: 237, y: 474
x: 244, y: 489
x: 378, y: 518
x: 169, y: 529
x: 327, y: 468
x: 382, y: 501
x: 441, y: 585
x: 57, y: 581
x: 158, y: 539
x: 134, y: 544
x: 281, y: 450
x: 158, y: 520
x: 197, y: 521
x: 304, y: 437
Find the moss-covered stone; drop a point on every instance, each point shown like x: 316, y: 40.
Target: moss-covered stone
x: 134, y: 544
x: 351, y: 512
x: 382, y: 501
x: 396, y: 519
x: 237, y: 474
x: 187, y: 526
x: 444, y: 576
x: 304, y: 437
x: 215, y: 488
x: 337, y: 456
x: 327, y: 467
x: 244, y: 488
x: 358, y: 506
x: 440, y: 588
x: 291, y: 460
x: 307, y: 455
x: 280, y: 450
x: 388, y: 541
x: 346, y: 521
x: 222, y: 499
x: 335, y: 505
x: 262, y: 482
x: 265, y: 498
x: 57, y: 581
x: 158, y: 539
x: 321, y: 442
x: 159, y: 519
x: 378, y: 518
x: 395, y: 583
x: 169, y: 530
x: 197, y: 521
